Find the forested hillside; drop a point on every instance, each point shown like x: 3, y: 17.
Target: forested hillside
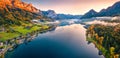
x: 106, y: 39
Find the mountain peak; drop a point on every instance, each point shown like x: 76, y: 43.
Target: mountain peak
x: 113, y: 10
x: 92, y: 10
x: 16, y: 11
x: 89, y: 14
x: 50, y: 13
x: 116, y: 5
x: 18, y: 4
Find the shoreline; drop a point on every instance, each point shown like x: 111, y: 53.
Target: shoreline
x: 10, y: 45
x: 96, y: 46
x: 101, y: 49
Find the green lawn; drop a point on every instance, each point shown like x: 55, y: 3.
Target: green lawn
x: 5, y: 36
x: 20, y: 30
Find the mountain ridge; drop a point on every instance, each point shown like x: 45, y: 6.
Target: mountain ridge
x: 113, y: 10
x: 89, y: 14
x: 18, y: 4
x: 15, y: 11
x: 52, y: 14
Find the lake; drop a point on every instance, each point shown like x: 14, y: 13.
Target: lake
x: 66, y: 41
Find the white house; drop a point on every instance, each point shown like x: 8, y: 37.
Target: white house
x: 1, y: 44
x: 35, y: 21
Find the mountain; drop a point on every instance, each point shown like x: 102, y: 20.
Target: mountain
x: 15, y: 11
x: 68, y: 16
x: 89, y: 14
x: 113, y: 10
x: 52, y: 14
x: 18, y: 4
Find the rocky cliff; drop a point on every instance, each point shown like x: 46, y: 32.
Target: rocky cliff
x: 16, y: 11
x: 17, y: 4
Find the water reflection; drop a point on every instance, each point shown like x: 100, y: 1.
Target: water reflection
x: 64, y: 42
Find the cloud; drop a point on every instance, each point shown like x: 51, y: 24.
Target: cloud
x: 102, y: 23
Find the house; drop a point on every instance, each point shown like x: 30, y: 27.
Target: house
x: 35, y: 21
x: 1, y: 43
x: 2, y: 29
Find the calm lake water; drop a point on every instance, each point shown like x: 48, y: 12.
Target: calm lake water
x: 67, y: 41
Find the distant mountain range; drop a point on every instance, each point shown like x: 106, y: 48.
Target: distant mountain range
x: 68, y: 16
x: 52, y: 14
x: 113, y: 10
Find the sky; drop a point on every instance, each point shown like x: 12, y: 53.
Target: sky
x: 75, y: 7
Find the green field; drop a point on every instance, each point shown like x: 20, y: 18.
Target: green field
x: 21, y: 30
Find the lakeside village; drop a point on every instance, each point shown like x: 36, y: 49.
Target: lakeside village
x: 20, y: 34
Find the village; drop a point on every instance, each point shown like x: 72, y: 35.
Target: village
x: 27, y: 34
